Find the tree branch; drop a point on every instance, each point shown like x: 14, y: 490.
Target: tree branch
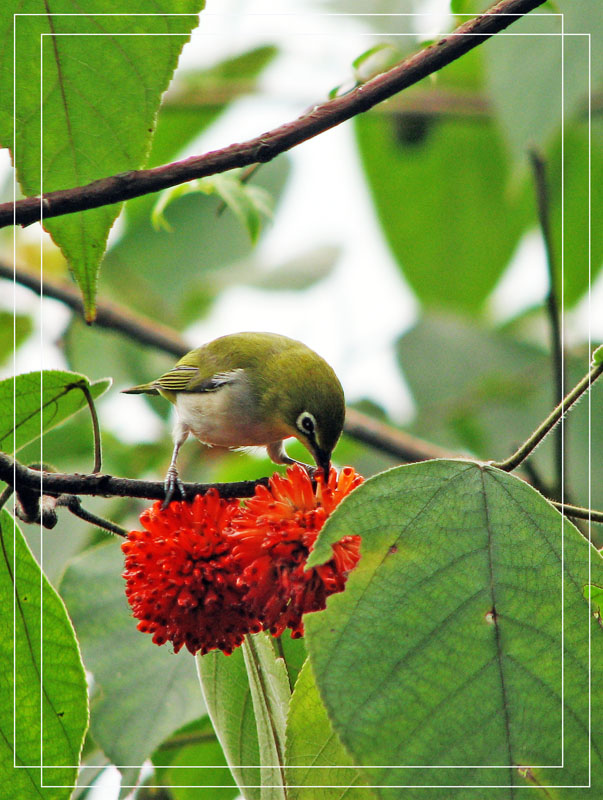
x: 22, y: 478
x: 267, y: 146
x: 108, y: 315
x: 390, y: 440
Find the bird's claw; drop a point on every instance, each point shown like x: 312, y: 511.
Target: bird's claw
x: 171, y: 485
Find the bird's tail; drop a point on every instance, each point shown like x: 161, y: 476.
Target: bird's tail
x: 144, y: 388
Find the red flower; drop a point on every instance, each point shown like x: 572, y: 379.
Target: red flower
x: 182, y: 579
x: 272, y: 538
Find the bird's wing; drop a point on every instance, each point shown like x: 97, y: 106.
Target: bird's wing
x: 184, y: 378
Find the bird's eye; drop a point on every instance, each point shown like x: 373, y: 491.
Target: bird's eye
x: 306, y: 423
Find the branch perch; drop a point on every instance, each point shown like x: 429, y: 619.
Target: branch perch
x: 30, y: 481
x: 263, y: 148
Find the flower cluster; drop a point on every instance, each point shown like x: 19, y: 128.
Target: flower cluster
x: 204, y: 574
x: 272, y: 537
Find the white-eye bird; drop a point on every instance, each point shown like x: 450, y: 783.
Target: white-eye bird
x: 249, y: 389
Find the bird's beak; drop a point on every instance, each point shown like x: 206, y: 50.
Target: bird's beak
x: 323, y: 460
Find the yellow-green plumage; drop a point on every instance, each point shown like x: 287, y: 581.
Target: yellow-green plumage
x: 254, y: 389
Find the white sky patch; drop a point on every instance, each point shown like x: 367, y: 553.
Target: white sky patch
x: 525, y: 281
x: 129, y: 417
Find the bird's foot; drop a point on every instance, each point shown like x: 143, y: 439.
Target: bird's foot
x: 172, y: 485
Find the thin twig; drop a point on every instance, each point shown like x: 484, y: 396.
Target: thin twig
x: 579, y: 512
x: 263, y: 148
x: 73, y: 504
x: 552, y: 306
x: 549, y: 423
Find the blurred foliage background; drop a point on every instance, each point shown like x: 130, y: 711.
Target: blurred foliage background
x: 405, y: 247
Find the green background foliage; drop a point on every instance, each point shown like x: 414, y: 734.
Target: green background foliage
x: 471, y: 596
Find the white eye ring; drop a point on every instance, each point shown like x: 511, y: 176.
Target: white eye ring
x: 306, y: 423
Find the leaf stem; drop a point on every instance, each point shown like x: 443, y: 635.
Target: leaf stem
x: 549, y: 423
x: 579, y: 512
x: 98, y: 456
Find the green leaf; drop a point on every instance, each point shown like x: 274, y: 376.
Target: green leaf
x: 247, y: 203
x: 534, y: 78
x: 315, y: 756
x: 525, y: 81
x: 594, y: 594
x: 488, y: 408
x: 270, y: 694
x: 375, y: 60
x: 100, y: 93
x: 575, y: 184
x: 145, y: 692
x: 197, y: 98
x: 35, y: 402
x: 191, y: 760
x: 294, y: 652
x: 300, y: 272
x: 493, y: 389
x: 130, y: 361
x: 228, y: 699
x: 140, y: 268
x: 451, y: 253
x: 22, y: 329
x: 598, y: 355
x: 49, y: 723
x: 481, y: 580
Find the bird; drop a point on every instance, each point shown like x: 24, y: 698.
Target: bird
x: 250, y: 389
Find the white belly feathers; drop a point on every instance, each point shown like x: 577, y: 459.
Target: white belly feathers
x: 224, y: 417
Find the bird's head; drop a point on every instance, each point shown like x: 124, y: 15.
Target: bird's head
x: 315, y: 409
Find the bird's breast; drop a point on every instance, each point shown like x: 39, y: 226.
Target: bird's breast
x: 226, y: 417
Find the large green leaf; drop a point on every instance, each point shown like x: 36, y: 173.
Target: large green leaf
x: 228, y: 699
x: 41, y: 669
x: 92, y: 93
x: 191, y: 760
x: 146, y: 692
x: 444, y: 205
x: 316, y: 758
x: 463, y: 638
x: 34, y: 402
